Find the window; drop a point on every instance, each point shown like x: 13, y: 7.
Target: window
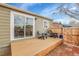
x: 18, y: 26
x: 22, y: 26
x: 46, y: 24
x: 29, y: 27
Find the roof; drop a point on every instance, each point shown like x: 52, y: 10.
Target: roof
x: 23, y: 11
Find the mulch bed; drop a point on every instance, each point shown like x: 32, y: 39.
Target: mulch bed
x: 64, y: 50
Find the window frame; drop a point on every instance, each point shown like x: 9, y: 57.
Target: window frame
x: 17, y: 23
x: 12, y: 25
x: 47, y: 24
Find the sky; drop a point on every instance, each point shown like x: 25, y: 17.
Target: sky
x: 45, y: 9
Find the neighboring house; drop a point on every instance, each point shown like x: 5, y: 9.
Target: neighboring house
x: 16, y: 24
x: 56, y: 25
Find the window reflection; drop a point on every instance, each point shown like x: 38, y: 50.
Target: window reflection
x: 23, y: 27
x: 29, y: 27
x: 18, y: 26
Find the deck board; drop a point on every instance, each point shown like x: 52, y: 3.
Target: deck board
x: 31, y: 46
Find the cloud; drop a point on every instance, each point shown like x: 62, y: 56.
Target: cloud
x: 47, y: 12
x: 27, y: 5
x: 73, y: 8
x: 74, y: 22
x: 65, y: 20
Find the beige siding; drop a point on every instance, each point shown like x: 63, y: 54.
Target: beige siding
x: 4, y: 30
x: 39, y: 24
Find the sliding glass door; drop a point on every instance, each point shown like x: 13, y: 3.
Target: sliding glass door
x: 23, y: 26
x: 29, y: 27
x: 18, y: 26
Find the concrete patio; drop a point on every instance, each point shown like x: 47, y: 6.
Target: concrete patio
x: 30, y: 47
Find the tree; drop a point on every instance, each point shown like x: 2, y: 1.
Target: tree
x: 71, y: 12
x: 67, y: 11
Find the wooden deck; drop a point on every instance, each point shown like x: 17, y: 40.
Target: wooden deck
x: 32, y: 47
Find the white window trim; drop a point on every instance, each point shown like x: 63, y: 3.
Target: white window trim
x: 12, y: 25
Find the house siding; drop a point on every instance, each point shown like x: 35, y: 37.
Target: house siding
x: 4, y: 31
x: 5, y: 48
x: 39, y: 25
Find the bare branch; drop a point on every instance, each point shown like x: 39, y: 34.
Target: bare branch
x: 67, y: 11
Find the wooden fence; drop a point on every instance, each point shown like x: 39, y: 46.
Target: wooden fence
x: 71, y: 35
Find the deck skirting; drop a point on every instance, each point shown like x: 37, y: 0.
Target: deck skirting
x: 48, y: 49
